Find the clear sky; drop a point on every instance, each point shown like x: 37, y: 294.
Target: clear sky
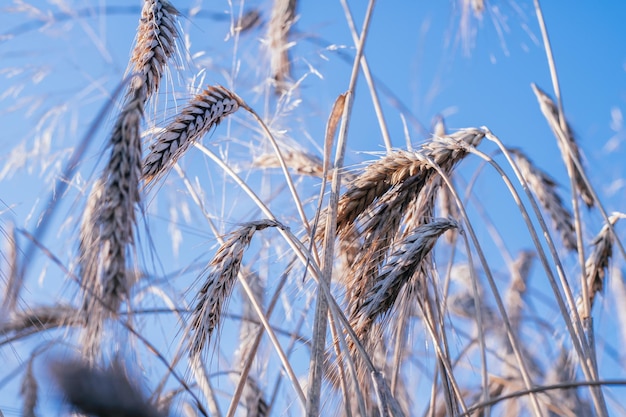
x: 61, y: 60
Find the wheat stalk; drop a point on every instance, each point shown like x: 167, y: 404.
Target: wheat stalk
x: 203, y: 112
x: 544, y: 188
x: 214, y: 294
x: 252, y: 394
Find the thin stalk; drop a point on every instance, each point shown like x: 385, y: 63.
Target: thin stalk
x: 283, y: 165
x: 586, y: 313
x: 320, y: 322
x: 272, y: 335
x: 369, y: 79
x: 245, y: 370
x: 492, y: 284
x: 545, y: 388
x: 579, y: 342
x: 300, y: 251
x: 204, y: 384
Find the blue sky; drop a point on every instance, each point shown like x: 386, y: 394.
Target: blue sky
x: 55, y: 77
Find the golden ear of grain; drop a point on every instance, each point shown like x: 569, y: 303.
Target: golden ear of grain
x: 108, y: 226
x: 300, y: 162
x: 398, y: 167
x: 283, y: 16
x: 116, y: 216
x: 214, y: 294
x: 598, y: 261
x: 41, y: 318
x: 156, y: 44
x: 398, y: 269
x: 551, y: 113
x: 203, y: 112
x: 544, y: 187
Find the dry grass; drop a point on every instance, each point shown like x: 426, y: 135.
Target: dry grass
x: 354, y: 305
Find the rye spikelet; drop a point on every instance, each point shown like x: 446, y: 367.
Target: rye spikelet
x: 214, y: 294
x: 598, y: 261
x: 256, y: 405
x: 520, y: 270
x: 399, y: 268
x: 283, y: 16
x: 41, y: 318
x: 551, y: 113
x: 398, y: 167
x: 88, y: 245
x: 116, y: 216
x: 544, y: 187
x: 203, y: 112
x: 302, y: 163
x: 156, y: 44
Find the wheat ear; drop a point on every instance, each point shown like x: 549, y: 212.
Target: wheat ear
x: 283, y: 16
x: 213, y: 296
x: 565, y: 140
x: 156, y: 44
x: 399, y: 166
x: 399, y: 268
x: 41, y: 318
x: 203, y: 112
x: 29, y: 390
x: 116, y: 217
x: 598, y: 261
x: 544, y: 188
x: 108, y: 226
